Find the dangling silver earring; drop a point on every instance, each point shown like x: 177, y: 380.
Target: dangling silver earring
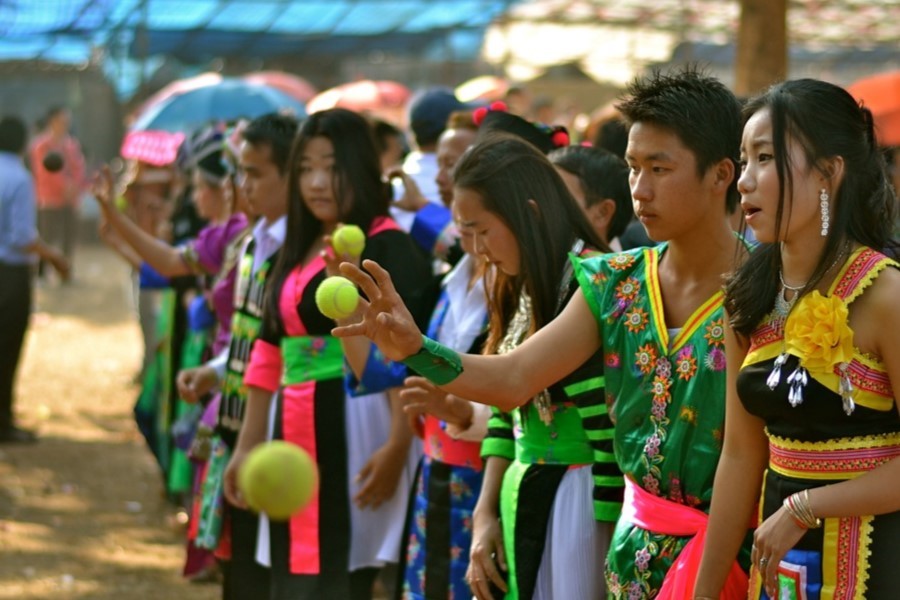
x: 825, y: 211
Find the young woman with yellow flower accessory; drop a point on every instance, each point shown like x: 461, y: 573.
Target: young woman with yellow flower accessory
x: 812, y: 417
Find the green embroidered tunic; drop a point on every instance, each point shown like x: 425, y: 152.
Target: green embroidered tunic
x: 666, y: 397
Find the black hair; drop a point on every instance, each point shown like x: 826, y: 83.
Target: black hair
x: 697, y: 108
x: 509, y: 174
x: 612, y: 135
x: 384, y: 131
x: 359, y: 191
x: 13, y: 135
x: 826, y: 121
x: 539, y: 135
x: 602, y: 175
x: 276, y: 131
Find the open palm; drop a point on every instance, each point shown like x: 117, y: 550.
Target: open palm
x: 385, y: 319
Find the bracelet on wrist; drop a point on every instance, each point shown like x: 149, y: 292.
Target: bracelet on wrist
x: 798, y: 507
x: 436, y: 362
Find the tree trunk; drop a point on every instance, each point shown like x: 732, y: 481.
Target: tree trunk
x: 761, y: 46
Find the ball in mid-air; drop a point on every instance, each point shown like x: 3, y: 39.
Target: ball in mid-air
x: 348, y: 239
x: 279, y: 479
x: 337, y: 297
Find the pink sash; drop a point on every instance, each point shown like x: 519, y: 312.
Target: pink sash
x: 670, y: 518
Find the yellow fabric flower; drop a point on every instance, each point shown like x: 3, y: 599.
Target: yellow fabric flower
x: 818, y: 333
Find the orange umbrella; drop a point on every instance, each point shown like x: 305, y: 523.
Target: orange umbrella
x: 291, y: 85
x: 382, y: 98
x: 881, y: 94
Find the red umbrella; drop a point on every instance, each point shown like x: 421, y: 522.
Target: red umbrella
x: 383, y: 98
x: 881, y: 94
x: 291, y: 85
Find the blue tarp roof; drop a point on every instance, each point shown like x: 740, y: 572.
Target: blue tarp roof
x: 73, y: 31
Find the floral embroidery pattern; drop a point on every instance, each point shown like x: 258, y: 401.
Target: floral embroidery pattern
x: 645, y: 359
x: 663, y: 367
x: 636, y: 319
x: 688, y: 414
x: 620, y: 262
x: 685, y: 363
x: 715, y: 333
x: 612, y: 360
x: 628, y: 289
x: 598, y: 279
x: 715, y: 359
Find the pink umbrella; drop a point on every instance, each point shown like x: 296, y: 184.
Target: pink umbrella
x: 291, y: 85
x: 383, y: 98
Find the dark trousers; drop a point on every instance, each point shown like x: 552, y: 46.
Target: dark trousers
x: 244, y: 578
x: 15, y: 307
x: 59, y: 228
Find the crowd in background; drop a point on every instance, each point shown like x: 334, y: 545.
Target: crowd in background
x: 558, y: 430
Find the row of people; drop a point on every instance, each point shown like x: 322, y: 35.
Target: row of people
x: 654, y: 332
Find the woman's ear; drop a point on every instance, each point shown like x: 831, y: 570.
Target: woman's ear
x: 833, y: 171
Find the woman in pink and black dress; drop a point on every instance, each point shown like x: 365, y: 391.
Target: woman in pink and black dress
x: 297, y: 376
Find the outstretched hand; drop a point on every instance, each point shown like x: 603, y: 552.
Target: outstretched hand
x: 102, y: 188
x: 385, y: 319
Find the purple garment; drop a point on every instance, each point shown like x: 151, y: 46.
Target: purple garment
x: 210, y: 248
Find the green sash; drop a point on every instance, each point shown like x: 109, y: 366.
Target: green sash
x: 311, y: 358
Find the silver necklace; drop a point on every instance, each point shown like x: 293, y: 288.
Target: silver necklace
x: 783, y: 306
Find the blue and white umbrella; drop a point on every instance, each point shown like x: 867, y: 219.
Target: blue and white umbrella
x: 225, y: 100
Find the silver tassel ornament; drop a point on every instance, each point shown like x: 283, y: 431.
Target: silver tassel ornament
x: 775, y: 376
x: 847, y: 389
x: 797, y: 380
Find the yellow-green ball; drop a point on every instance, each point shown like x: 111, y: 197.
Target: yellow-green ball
x: 337, y: 297
x: 278, y: 478
x: 348, y: 239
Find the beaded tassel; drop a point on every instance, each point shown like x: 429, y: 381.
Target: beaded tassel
x: 797, y: 380
x: 847, y: 389
x: 775, y: 376
x: 542, y: 403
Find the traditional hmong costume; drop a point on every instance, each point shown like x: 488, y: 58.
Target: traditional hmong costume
x: 560, y: 449
x: 826, y: 423
x: 228, y: 530
x: 313, y: 554
x: 666, y: 392
x: 439, y: 524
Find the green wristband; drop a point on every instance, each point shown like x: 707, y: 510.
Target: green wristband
x: 435, y: 362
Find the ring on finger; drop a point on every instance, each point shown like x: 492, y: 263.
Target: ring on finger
x: 763, y: 562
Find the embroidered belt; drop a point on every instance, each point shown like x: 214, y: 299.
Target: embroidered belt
x: 311, y: 358
x: 842, y: 458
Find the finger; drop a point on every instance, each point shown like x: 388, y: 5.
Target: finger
x: 415, y: 409
x: 414, y: 395
x: 364, y: 472
x: 362, y: 279
x: 494, y: 575
x: 419, y: 382
x: 382, y: 278
x: 501, y: 557
x: 354, y: 329
x: 479, y: 582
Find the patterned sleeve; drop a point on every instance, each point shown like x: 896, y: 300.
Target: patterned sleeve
x: 379, y: 374
x: 585, y: 387
x: 499, y: 440
x: 433, y: 229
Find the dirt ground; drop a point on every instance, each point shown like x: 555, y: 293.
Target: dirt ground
x: 82, y: 512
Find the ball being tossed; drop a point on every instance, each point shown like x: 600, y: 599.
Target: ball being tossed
x: 279, y: 479
x: 348, y: 239
x: 337, y: 297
